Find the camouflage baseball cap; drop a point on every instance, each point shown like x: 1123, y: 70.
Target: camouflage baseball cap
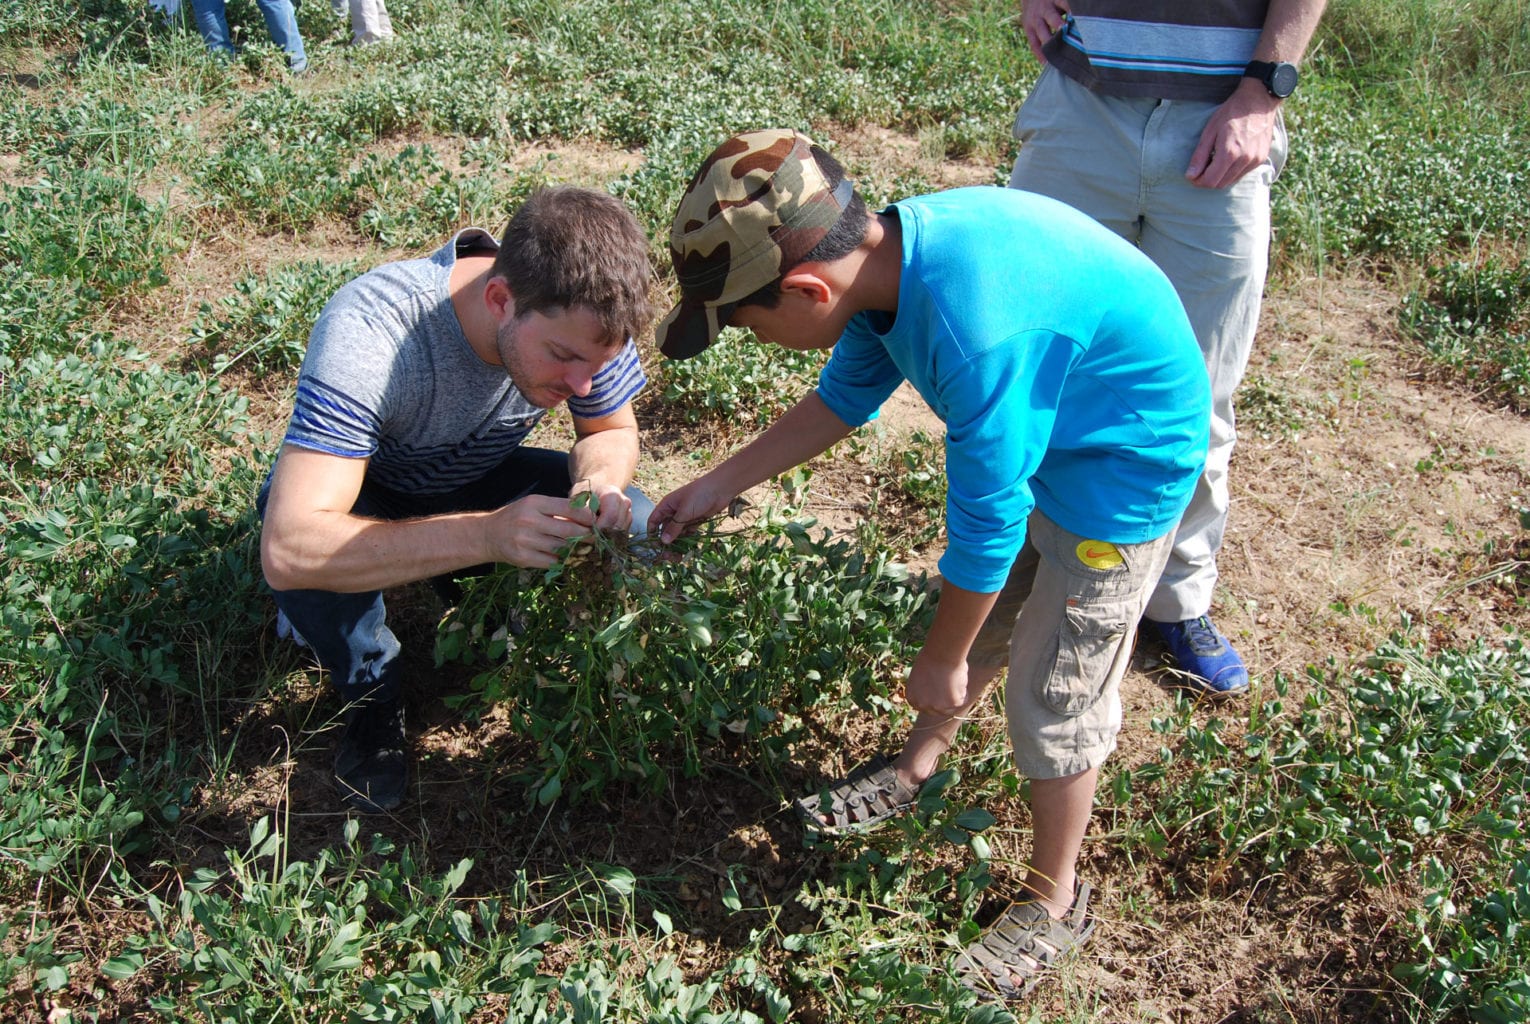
x: 757, y: 206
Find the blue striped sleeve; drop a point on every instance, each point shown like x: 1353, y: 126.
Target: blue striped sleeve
x: 617, y: 383
x: 328, y: 420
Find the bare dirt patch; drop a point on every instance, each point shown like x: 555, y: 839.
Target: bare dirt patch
x: 922, y: 156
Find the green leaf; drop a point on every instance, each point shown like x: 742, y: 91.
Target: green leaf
x: 458, y: 874
x: 975, y: 819
x: 123, y: 966
x: 619, y: 880
x: 550, y: 791
x: 730, y: 897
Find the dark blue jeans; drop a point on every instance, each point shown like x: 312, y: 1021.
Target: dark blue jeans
x: 349, y: 633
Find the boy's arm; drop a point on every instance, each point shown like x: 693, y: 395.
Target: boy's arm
x: 937, y: 681
x: 805, y: 430
x: 310, y: 540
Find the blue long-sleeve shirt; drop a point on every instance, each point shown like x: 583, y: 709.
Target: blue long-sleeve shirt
x: 1059, y: 358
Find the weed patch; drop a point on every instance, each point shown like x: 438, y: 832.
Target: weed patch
x: 1474, y: 320
x: 264, y: 325
x: 1416, y: 766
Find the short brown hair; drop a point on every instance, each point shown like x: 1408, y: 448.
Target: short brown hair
x: 570, y: 247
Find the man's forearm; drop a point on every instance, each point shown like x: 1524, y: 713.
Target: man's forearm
x: 345, y: 553
x: 606, y: 457
x: 1288, y: 28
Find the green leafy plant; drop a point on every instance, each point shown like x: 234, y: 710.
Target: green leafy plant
x: 122, y: 550
x: 736, y: 382
x: 87, y: 226
x: 264, y: 325
x: 362, y: 934
x: 923, y: 474
x: 412, y: 201
x: 1474, y: 319
x: 623, y: 661
x: 1401, y: 182
x: 1407, y: 766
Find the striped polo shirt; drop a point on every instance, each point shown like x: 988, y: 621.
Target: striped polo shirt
x: 1168, y: 49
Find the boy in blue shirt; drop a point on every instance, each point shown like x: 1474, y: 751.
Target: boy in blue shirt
x: 1076, y: 407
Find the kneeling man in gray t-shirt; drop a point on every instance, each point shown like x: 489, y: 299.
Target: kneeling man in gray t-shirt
x: 403, y: 460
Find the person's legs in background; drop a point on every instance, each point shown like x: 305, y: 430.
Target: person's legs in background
x: 281, y: 25
x: 1213, y: 244
x: 1122, y: 161
x: 212, y: 22
x: 369, y: 22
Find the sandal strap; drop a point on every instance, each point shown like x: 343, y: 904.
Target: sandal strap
x: 869, y: 795
x: 1026, y: 942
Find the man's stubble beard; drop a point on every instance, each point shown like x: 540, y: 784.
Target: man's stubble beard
x: 506, y: 343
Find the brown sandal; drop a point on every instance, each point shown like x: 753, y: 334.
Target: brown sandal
x: 1024, y: 946
x: 864, y: 799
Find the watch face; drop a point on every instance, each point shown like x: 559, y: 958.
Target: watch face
x: 1282, y: 80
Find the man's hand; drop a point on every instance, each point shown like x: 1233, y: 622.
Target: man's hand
x: 681, y: 510
x: 1237, y: 138
x: 530, y: 531
x: 1041, y: 20
x: 615, y: 508
x: 936, y: 687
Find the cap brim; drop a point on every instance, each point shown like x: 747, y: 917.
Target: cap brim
x: 689, y: 329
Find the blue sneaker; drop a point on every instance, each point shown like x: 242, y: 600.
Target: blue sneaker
x: 1203, y: 659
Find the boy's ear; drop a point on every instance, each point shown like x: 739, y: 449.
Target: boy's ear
x: 807, y: 280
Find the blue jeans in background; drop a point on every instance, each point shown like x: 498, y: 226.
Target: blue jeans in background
x: 281, y: 23
x: 349, y: 633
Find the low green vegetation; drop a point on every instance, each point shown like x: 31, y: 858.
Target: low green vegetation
x: 738, y: 383
x: 624, y: 661
x: 1474, y: 319
x: 1414, y: 766
x: 263, y: 326
x: 141, y: 704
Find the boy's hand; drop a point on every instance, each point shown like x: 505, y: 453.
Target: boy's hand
x: 936, y: 688
x: 679, y: 511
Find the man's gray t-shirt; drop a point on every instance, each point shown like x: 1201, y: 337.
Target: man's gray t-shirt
x: 390, y: 376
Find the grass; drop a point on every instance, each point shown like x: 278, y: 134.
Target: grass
x: 614, y: 847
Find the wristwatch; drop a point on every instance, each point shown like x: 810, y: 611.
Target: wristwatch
x: 1278, y: 76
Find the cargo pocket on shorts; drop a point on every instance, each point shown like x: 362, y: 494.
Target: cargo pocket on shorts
x: 1086, y: 649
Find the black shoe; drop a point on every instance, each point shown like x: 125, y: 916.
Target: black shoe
x: 371, y: 767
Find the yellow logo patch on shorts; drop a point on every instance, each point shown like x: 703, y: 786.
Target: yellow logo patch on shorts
x: 1098, y: 554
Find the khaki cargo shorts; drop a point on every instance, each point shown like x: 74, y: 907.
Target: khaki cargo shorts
x: 1064, y: 622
